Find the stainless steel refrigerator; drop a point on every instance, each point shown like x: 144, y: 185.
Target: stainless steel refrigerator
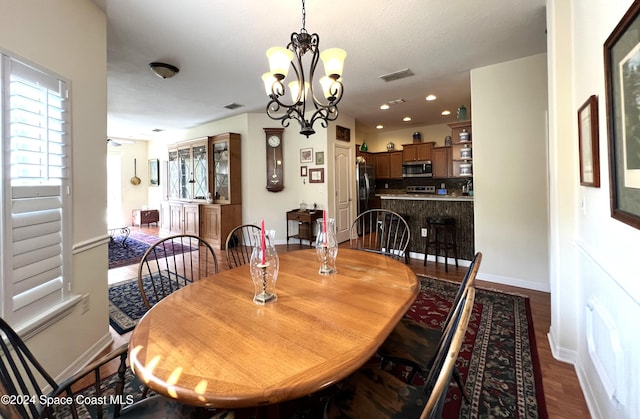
x: 366, y: 185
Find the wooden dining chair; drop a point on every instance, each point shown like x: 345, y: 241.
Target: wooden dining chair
x: 413, y: 344
x: 172, y: 263
x: 381, y: 231
x: 240, y: 243
x: 24, y: 378
x: 374, y: 393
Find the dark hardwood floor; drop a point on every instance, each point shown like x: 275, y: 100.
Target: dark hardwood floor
x: 562, y: 391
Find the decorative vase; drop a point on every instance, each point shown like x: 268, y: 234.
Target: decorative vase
x: 364, y: 147
x: 264, y: 265
x: 326, y: 245
x: 462, y: 113
x: 390, y: 146
x: 417, y: 137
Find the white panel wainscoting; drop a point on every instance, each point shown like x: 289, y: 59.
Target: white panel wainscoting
x: 607, y: 363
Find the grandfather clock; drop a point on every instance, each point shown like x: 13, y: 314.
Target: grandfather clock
x: 275, y: 176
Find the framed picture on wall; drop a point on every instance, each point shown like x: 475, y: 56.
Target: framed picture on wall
x: 621, y: 58
x: 306, y: 155
x: 303, y: 171
x: 588, y: 147
x: 343, y: 134
x: 319, y: 158
x: 316, y: 175
x: 154, y: 172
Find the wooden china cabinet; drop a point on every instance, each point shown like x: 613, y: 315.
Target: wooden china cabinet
x: 218, y: 218
x: 205, y: 190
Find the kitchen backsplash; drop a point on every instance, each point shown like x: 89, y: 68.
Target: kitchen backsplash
x: 391, y: 186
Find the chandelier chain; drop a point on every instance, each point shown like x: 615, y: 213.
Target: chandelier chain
x: 304, y: 17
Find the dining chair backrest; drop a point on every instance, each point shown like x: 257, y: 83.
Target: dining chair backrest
x: 172, y: 263
x: 21, y: 375
x: 380, y: 231
x: 468, y: 280
x: 437, y: 381
x: 240, y: 243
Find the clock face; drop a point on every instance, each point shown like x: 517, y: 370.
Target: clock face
x: 274, y: 141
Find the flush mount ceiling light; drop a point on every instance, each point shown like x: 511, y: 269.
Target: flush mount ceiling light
x: 431, y: 97
x: 445, y: 113
x: 303, y: 88
x: 384, y: 106
x: 164, y: 70
x: 406, y: 119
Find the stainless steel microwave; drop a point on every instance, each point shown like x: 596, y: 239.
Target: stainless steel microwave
x: 417, y: 169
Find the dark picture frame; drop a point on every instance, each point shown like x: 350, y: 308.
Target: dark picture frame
x: 621, y: 59
x: 588, y: 143
x: 306, y: 155
x: 316, y: 175
x: 154, y: 172
x: 343, y: 134
x: 303, y: 171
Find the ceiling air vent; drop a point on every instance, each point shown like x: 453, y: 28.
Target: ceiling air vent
x: 397, y: 75
x: 233, y: 106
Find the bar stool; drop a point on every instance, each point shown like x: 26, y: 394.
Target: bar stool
x: 441, y: 235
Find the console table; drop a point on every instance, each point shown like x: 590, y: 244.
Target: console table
x: 139, y: 217
x: 305, y: 220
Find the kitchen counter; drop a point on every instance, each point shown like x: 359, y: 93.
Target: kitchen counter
x: 417, y: 207
x: 426, y: 197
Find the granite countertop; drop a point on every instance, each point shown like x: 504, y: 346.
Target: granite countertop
x: 426, y: 197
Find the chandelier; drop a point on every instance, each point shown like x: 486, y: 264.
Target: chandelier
x: 303, y: 89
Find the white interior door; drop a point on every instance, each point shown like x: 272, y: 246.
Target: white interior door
x: 343, y: 191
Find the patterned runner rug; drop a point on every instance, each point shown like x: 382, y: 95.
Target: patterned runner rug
x: 498, y: 362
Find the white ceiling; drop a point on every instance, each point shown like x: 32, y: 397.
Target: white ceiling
x: 219, y: 46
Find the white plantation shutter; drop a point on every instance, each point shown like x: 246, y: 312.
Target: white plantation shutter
x: 36, y: 207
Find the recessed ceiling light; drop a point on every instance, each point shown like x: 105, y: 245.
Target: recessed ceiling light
x: 445, y: 113
x: 384, y: 107
x: 406, y: 119
x: 379, y: 126
x: 431, y: 97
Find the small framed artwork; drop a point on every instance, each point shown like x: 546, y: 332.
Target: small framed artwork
x: 316, y: 175
x: 319, y: 158
x: 343, y: 134
x: 588, y: 147
x: 154, y: 172
x: 303, y: 170
x: 621, y: 57
x: 306, y: 155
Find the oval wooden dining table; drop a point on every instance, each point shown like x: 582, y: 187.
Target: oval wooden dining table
x: 208, y: 344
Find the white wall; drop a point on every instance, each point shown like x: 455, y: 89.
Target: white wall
x: 69, y: 37
x: 595, y: 288
x: 510, y: 173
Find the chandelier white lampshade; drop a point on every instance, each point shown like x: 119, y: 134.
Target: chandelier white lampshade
x: 333, y: 59
x: 279, y: 61
x: 282, y: 59
x: 164, y: 70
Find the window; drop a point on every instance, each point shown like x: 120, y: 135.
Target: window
x: 35, y: 129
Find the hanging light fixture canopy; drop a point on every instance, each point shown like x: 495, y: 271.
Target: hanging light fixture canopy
x: 303, y: 88
x: 164, y: 70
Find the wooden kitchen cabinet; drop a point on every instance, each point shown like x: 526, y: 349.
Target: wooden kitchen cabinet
x: 441, y: 162
x: 389, y: 165
x: 417, y: 151
x: 217, y: 221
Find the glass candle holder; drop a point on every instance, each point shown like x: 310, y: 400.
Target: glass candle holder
x: 327, y: 246
x: 264, y: 270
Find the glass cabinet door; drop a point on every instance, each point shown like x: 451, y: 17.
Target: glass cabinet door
x: 174, y: 175
x: 199, y: 179
x: 185, y: 173
x: 221, y: 171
